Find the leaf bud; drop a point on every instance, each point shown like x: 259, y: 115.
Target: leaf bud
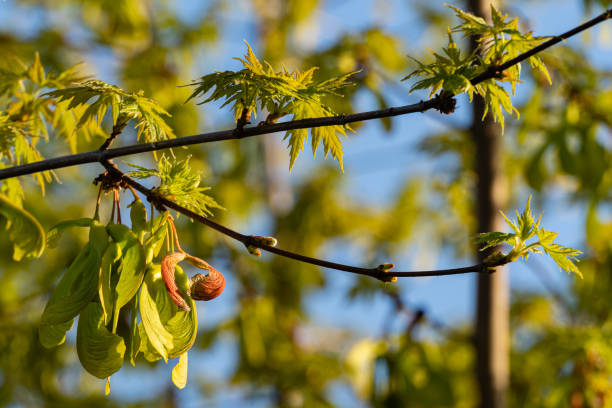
x: 386, y: 268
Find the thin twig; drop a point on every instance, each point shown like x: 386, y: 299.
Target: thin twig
x: 250, y: 240
x: 338, y: 120
x: 117, y: 129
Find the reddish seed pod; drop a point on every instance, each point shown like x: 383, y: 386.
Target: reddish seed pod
x: 168, y: 264
x: 205, y: 287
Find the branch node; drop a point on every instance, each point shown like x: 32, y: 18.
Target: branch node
x: 445, y: 102
x: 109, y: 181
x: 383, y: 271
x: 155, y: 198
x: 494, y: 71
x: 254, y: 242
x: 244, y: 119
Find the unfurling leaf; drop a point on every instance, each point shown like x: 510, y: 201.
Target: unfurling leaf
x: 178, y: 183
x: 525, y: 228
x: 75, y: 290
x: 100, y: 351
x: 134, y: 340
x: 155, y: 240
x: 138, y: 216
x: 105, y: 288
x: 99, y: 96
x: 498, y: 42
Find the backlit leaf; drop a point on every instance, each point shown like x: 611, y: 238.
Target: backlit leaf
x: 100, y: 351
x: 138, y: 216
x: 56, y: 232
x: 105, y: 288
x: 25, y: 232
x: 179, y: 372
x: 52, y: 335
x: 155, y: 334
x: 75, y: 290
x: 130, y: 268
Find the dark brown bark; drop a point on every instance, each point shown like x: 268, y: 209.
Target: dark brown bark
x: 492, y: 333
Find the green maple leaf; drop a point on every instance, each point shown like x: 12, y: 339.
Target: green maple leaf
x: 178, y: 183
x: 525, y: 228
x: 99, y: 97
x: 281, y: 93
x: 498, y: 42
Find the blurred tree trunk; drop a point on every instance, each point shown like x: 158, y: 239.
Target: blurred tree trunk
x: 492, y: 333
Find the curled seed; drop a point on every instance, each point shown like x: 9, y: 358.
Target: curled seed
x: 207, y: 287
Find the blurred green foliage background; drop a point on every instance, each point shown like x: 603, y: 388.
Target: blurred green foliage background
x: 288, y: 334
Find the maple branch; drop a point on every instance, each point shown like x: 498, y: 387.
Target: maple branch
x: 252, y: 241
x: 439, y: 102
x: 101, y: 155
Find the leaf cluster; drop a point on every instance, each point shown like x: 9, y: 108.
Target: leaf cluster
x: 178, y: 183
x: 525, y: 228
x: 27, y: 114
x: 280, y: 93
x: 98, y: 97
x: 118, y: 272
x: 498, y: 42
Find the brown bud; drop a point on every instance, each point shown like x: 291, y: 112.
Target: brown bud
x: 207, y: 287
x: 168, y: 265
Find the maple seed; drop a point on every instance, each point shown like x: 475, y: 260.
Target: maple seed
x: 168, y: 265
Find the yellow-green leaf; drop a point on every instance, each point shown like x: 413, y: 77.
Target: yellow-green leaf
x: 105, y: 290
x: 75, y: 290
x: 134, y: 343
x: 138, y: 216
x: 155, y: 334
x: 25, y: 232
x: 52, y: 335
x: 181, y: 324
x: 56, y: 232
x: 131, y: 266
x: 179, y: 372
x: 100, y: 351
